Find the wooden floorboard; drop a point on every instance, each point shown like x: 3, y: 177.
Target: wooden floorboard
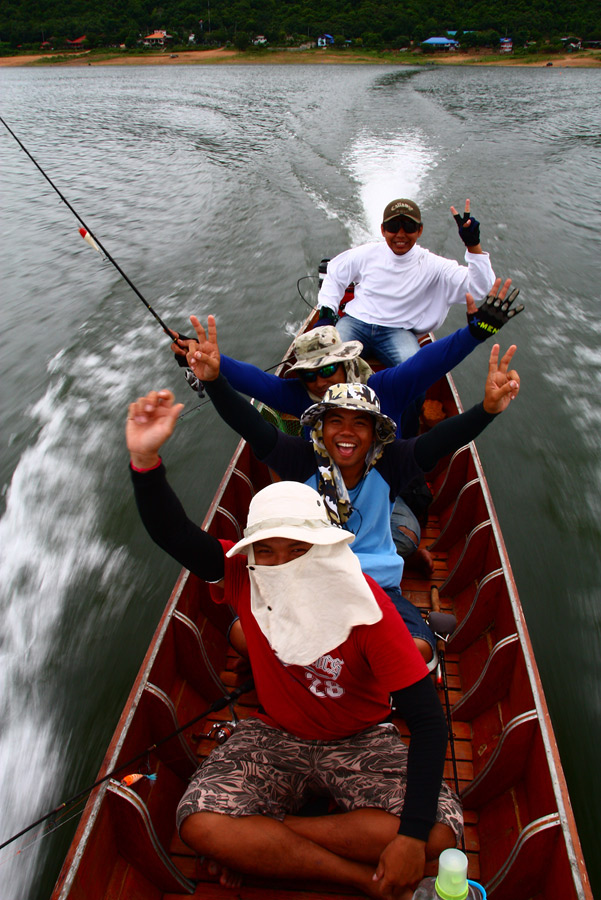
x: 417, y: 589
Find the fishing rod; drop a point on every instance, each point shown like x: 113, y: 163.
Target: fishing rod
x: 90, y: 238
x: 443, y: 624
x: 218, y: 704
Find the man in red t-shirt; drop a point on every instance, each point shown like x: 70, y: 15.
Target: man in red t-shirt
x: 327, y: 649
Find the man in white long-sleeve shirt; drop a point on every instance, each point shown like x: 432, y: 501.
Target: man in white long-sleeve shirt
x: 402, y: 289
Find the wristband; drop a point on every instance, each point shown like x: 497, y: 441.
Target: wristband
x: 156, y: 465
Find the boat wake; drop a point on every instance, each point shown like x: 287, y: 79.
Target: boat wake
x: 388, y: 166
x: 61, y: 580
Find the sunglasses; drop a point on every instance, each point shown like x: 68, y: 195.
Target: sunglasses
x: 394, y: 225
x: 324, y: 372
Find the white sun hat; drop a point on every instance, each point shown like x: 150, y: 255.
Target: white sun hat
x: 289, y: 509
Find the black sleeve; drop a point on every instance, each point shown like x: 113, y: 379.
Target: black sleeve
x: 449, y: 435
x: 168, y: 525
x: 242, y: 416
x: 420, y: 707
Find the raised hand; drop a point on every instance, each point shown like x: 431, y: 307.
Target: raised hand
x: 494, y: 311
x: 150, y: 421
x: 469, y: 228
x: 502, y: 386
x: 203, y: 354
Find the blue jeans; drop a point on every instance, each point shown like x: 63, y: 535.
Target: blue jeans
x: 411, y: 616
x: 402, y: 515
x: 391, y: 346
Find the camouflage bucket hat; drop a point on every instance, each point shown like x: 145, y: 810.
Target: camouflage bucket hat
x: 321, y: 347
x: 357, y: 397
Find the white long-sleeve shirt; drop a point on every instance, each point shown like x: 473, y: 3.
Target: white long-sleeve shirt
x: 413, y: 291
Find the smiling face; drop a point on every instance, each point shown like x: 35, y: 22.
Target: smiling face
x: 401, y: 242
x: 276, y: 551
x: 347, y: 436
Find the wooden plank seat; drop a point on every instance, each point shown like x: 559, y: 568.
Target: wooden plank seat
x: 446, y: 486
x: 194, y: 659
x: 176, y: 753
x: 492, y: 684
x: 469, y: 509
x: 481, y: 613
x: 229, y: 528
x: 138, y: 842
x: 506, y: 765
x: 469, y: 565
x: 525, y: 871
x: 207, y: 891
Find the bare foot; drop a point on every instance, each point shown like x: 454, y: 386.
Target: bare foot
x: 422, y: 561
x: 372, y: 889
x: 227, y: 878
x: 241, y: 666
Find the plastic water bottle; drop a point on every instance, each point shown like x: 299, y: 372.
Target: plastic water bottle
x: 452, y: 882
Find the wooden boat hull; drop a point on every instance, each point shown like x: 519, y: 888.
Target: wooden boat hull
x: 521, y: 837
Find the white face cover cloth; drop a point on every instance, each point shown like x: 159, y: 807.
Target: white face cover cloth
x: 309, y: 605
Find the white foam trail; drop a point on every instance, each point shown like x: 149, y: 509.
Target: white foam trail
x: 49, y: 543
x: 386, y: 167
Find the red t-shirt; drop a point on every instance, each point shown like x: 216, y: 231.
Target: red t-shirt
x: 346, y: 690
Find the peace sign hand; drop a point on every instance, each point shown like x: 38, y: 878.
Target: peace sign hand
x: 469, y: 228
x: 502, y: 386
x: 203, y: 354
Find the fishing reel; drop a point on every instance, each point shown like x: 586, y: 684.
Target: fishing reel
x: 194, y: 382
x: 221, y: 731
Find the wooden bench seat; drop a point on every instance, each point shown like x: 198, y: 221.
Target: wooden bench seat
x: 468, y: 509
x: 525, y: 872
x: 506, y: 765
x: 138, y: 842
x: 492, y: 684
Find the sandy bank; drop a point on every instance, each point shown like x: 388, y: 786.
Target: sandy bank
x: 584, y: 59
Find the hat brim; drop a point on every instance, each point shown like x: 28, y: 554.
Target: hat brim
x: 327, y: 535
x: 345, y: 351
x: 405, y: 215
x: 385, y: 425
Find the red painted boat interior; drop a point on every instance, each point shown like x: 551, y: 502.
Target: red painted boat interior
x: 520, y: 834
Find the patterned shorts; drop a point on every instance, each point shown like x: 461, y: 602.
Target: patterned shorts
x: 264, y: 771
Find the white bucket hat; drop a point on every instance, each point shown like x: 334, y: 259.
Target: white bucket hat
x: 289, y: 509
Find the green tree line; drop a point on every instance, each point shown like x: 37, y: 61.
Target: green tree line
x: 372, y: 23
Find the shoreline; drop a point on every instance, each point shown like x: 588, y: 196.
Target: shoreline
x: 581, y: 59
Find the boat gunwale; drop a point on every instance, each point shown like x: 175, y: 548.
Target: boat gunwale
x: 569, y: 831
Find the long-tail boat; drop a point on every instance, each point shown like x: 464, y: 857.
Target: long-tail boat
x: 520, y: 833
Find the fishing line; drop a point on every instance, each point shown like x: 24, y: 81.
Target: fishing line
x: 289, y: 359
x: 302, y: 296
x: 91, y: 234
x: 218, y: 704
x: 435, y: 604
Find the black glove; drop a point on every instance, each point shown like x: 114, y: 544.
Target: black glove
x: 492, y: 315
x: 327, y: 316
x: 470, y: 235
x: 181, y: 360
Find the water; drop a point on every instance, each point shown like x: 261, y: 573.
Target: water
x: 215, y: 189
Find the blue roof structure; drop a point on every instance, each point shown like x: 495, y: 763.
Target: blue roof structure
x: 441, y: 42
